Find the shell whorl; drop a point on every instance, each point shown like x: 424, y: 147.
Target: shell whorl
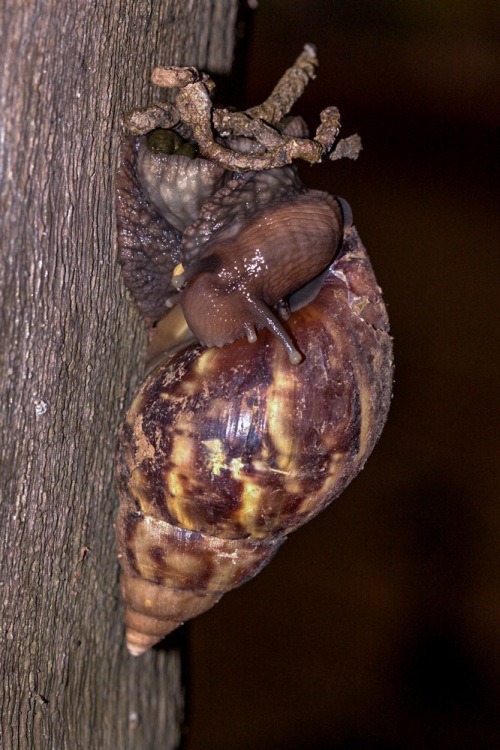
x: 225, y: 451
x: 171, y: 574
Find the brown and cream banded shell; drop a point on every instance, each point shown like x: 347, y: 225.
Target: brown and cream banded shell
x: 226, y: 451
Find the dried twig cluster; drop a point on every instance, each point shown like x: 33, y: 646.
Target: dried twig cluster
x: 263, y: 124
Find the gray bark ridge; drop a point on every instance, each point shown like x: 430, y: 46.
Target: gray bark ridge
x: 71, y: 356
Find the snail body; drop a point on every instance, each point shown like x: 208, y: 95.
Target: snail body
x: 227, y: 449
x: 176, y: 183
x: 232, y: 289
x: 256, y: 240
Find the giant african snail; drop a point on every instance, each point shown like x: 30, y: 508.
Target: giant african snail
x: 227, y: 449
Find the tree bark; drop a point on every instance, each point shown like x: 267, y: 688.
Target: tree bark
x: 71, y: 357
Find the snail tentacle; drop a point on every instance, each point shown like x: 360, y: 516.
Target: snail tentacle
x: 270, y: 321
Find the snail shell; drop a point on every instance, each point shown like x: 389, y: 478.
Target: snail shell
x: 225, y: 451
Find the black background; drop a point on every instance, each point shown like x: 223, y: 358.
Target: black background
x: 377, y: 625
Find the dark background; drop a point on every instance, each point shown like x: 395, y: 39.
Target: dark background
x: 377, y: 625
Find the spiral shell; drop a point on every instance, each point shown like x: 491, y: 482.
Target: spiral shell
x: 225, y: 451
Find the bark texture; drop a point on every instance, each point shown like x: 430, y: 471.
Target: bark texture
x: 71, y: 357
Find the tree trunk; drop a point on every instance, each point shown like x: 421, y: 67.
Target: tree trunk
x: 71, y: 357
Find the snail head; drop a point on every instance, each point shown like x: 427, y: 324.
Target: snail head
x: 218, y: 313
x: 273, y: 260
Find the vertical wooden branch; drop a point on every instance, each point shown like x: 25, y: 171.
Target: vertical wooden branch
x: 71, y: 346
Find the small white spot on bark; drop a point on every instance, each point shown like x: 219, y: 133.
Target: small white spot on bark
x: 133, y: 719
x: 40, y: 407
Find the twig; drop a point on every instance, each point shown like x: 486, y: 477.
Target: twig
x: 289, y: 88
x: 140, y: 121
x: 194, y: 108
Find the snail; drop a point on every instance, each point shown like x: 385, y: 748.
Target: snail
x: 270, y: 375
